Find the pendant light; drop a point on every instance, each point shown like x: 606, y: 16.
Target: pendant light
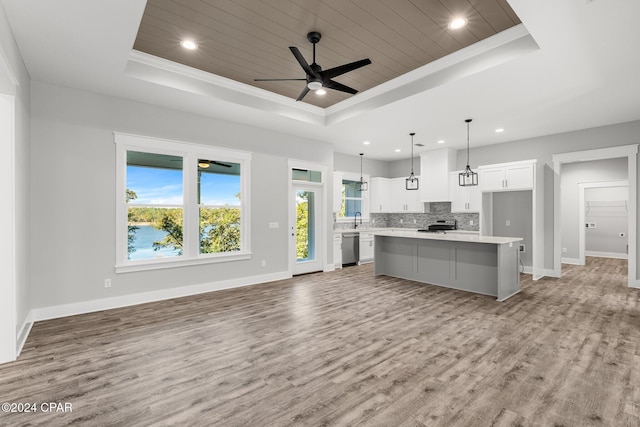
x: 364, y: 186
x: 468, y: 177
x: 412, y: 181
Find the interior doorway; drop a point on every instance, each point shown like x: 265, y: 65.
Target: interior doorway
x: 603, y: 219
x: 629, y: 152
x: 8, y: 332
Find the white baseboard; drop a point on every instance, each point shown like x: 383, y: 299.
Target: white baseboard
x: 606, y: 254
x: 549, y: 272
x: 574, y: 261
x: 53, y: 312
x: 24, y: 333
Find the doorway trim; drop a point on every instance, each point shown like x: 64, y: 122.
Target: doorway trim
x: 322, y: 220
x: 628, y: 151
x: 8, y: 321
x: 581, y: 210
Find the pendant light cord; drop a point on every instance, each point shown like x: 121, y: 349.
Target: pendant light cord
x: 468, y: 121
x: 413, y: 133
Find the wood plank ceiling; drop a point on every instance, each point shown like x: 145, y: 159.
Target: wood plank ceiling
x: 247, y: 39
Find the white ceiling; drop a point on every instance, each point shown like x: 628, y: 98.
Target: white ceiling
x: 573, y: 64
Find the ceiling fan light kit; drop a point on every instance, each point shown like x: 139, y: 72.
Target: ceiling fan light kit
x: 412, y: 182
x: 316, y: 77
x: 467, y: 177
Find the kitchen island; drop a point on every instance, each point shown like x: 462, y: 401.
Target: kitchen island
x: 482, y: 264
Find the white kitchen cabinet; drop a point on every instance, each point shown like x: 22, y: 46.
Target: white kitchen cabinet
x: 379, y: 195
x: 435, y: 166
x: 403, y: 200
x: 366, y: 247
x: 463, y: 199
x: 337, y: 192
x: 506, y: 176
x: 337, y: 250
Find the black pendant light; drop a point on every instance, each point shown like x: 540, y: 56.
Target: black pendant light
x: 412, y: 181
x: 468, y: 177
x: 364, y: 186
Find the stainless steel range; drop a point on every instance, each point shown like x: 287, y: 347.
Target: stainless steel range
x: 441, y: 226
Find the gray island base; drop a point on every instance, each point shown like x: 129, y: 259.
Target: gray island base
x: 485, y: 265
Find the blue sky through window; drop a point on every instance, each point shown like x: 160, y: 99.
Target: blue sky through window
x: 158, y: 186
x: 155, y: 186
x: 219, y: 189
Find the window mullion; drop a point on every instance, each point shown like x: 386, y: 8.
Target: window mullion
x: 191, y: 212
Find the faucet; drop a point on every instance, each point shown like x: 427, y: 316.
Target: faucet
x: 355, y: 219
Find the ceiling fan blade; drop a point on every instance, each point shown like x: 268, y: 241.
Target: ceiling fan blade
x: 275, y: 80
x: 303, y: 93
x: 339, y: 86
x: 213, y: 162
x: 336, y: 71
x: 303, y: 62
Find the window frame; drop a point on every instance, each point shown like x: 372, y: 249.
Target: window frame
x: 190, y: 153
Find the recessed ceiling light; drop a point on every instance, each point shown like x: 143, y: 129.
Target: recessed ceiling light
x: 457, y: 23
x: 499, y: 130
x: 366, y: 143
x: 189, y: 44
x: 321, y: 92
x: 441, y: 141
x: 397, y: 150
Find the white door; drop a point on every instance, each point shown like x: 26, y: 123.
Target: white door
x: 306, y: 228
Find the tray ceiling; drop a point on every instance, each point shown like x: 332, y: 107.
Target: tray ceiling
x: 244, y: 40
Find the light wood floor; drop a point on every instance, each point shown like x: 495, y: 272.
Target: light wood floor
x: 346, y: 348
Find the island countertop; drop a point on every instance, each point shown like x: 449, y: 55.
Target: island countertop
x: 453, y: 236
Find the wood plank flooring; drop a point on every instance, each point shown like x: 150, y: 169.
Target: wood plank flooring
x: 346, y: 348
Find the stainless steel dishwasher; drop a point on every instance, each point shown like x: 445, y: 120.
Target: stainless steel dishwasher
x: 350, y: 248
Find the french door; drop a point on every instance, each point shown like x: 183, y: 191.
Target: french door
x: 306, y: 228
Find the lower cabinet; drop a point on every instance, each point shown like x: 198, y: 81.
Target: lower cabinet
x: 337, y: 250
x: 366, y: 247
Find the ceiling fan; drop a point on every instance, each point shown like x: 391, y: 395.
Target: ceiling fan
x: 206, y: 163
x: 317, y: 78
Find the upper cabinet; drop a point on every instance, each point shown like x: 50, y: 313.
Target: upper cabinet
x: 435, y: 166
x: 391, y: 195
x: 379, y: 195
x: 507, y: 176
x: 463, y: 199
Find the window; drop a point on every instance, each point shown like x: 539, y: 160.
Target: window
x: 352, y: 200
x: 180, y: 204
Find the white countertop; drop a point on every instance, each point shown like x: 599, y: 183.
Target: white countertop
x: 457, y: 237
x: 376, y: 229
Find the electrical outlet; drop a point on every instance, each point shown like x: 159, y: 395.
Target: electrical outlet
x: 470, y: 222
x: 564, y: 250
x: 263, y: 263
x: 401, y: 220
x: 107, y: 283
x: 508, y: 223
x: 522, y: 247
x: 414, y: 221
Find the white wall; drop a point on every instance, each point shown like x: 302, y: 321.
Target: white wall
x: 73, y: 194
x: 571, y: 175
x: 13, y: 71
x: 374, y: 168
x: 607, y: 208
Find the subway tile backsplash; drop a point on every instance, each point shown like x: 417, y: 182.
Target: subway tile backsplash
x: 438, y: 210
